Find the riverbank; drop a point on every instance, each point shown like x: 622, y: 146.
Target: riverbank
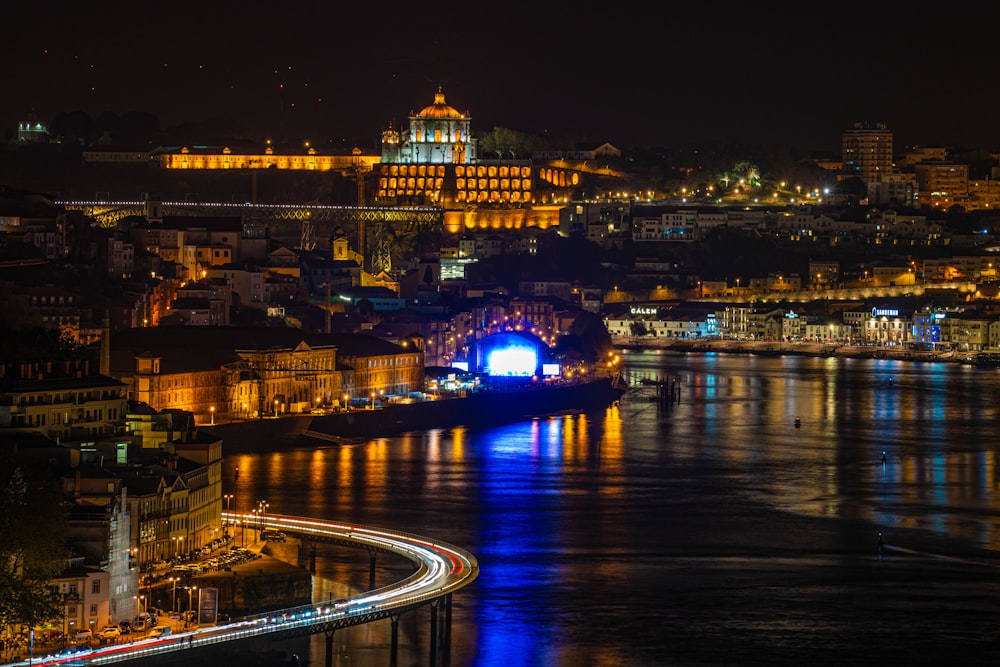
x: 479, y: 408
x: 771, y: 348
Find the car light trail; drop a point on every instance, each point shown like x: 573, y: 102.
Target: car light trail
x: 441, y: 570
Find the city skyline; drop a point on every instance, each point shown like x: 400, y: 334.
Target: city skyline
x: 620, y: 75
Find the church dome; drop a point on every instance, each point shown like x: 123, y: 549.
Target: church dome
x: 439, y: 109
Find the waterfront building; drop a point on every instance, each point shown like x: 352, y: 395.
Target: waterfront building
x: 244, y: 372
x: 886, y: 327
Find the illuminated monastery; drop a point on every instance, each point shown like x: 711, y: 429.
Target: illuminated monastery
x: 432, y: 162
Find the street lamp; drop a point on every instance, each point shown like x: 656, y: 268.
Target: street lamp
x: 261, y: 512
x: 191, y: 590
x: 347, y: 405
x: 373, y: 400
x: 275, y: 407
x: 173, y: 594
x: 211, y: 410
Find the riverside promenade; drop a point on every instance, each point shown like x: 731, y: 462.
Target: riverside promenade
x: 774, y: 348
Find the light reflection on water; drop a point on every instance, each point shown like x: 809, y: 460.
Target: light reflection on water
x: 708, y: 531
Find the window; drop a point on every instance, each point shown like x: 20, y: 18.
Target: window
x: 93, y: 610
x: 95, y: 586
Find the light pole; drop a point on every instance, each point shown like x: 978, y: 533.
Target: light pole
x: 191, y: 590
x: 225, y: 523
x: 211, y: 411
x: 373, y: 400
x: 173, y: 595
x: 261, y: 512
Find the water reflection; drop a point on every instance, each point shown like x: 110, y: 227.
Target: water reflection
x: 710, y: 529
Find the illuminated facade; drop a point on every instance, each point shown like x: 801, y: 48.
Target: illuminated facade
x: 439, y: 134
x: 226, y: 159
x: 232, y: 372
x: 435, y: 162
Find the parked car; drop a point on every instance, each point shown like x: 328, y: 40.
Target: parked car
x: 126, y: 627
x: 144, y: 620
x: 83, y: 636
x: 273, y: 536
x: 161, y: 631
x: 110, y: 632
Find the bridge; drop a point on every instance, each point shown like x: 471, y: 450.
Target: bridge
x: 299, y: 224
x: 409, y: 218
x: 440, y: 569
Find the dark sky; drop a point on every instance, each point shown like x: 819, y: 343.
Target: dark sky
x: 634, y: 74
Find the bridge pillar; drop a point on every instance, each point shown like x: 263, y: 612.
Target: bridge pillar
x: 328, y: 656
x: 371, y: 571
x: 394, y: 642
x: 312, y: 558
x: 434, y: 634
x: 446, y: 642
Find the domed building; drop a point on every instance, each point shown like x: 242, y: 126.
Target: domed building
x: 439, y: 134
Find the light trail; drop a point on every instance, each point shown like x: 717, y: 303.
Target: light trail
x: 441, y: 570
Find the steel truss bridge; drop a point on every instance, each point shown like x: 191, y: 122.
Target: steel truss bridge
x: 304, y: 223
x: 440, y: 569
x: 109, y: 213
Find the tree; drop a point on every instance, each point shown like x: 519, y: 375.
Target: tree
x: 637, y: 329
x: 32, y: 553
x: 590, y: 337
x: 505, y: 142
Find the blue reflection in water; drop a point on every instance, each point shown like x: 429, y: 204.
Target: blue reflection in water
x: 515, y: 524
x: 707, y: 532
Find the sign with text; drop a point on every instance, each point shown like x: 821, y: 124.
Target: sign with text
x: 208, y: 605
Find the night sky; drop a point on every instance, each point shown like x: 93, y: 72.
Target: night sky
x: 580, y: 72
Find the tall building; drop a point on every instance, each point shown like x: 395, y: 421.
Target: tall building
x: 866, y: 152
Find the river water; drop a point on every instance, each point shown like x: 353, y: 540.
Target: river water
x: 710, y: 530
